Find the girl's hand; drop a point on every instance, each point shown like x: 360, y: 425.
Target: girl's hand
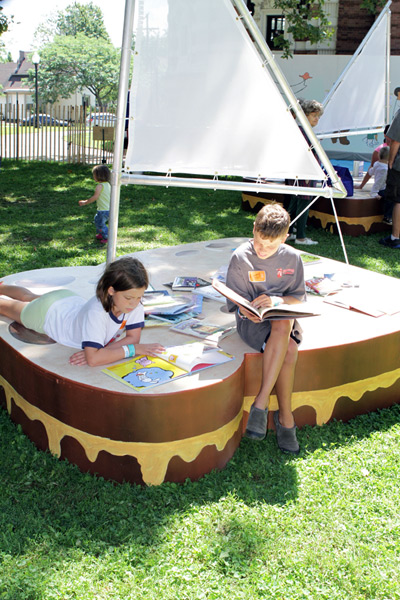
x: 78, y: 359
x: 82, y: 202
x: 148, y: 348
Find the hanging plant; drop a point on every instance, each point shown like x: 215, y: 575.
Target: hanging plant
x: 373, y: 6
x: 305, y: 21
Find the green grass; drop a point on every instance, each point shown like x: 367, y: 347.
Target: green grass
x: 322, y: 526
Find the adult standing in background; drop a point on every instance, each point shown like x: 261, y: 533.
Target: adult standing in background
x: 393, y: 182
x: 313, y: 111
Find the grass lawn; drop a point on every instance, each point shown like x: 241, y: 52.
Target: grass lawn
x: 322, y: 526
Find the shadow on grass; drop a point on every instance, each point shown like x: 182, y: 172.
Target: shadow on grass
x: 50, y: 503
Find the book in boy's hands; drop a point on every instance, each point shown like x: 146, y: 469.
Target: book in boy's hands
x: 204, y: 330
x: 143, y: 372
x: 283, y: 311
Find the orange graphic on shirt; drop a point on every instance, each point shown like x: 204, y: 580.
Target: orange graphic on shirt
x: 257, y: 276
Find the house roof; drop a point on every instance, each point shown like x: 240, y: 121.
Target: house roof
x: 14, y: 75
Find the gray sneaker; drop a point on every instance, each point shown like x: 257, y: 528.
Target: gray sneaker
x: 286, y: 436
x: 257, y: 423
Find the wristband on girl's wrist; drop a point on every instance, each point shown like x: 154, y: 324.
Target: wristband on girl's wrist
x: 129, y: 350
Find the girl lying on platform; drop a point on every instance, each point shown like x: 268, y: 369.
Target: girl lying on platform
x: 94, y: 325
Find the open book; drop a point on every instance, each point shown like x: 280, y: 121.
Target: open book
x: 283, y: 311
x: 368, y: 303
x: 143, y: 372
x: 204, y: 330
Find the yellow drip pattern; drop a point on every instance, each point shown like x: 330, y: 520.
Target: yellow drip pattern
x: 152, y: 457
x: 366, y: 222
x: 323, y: 401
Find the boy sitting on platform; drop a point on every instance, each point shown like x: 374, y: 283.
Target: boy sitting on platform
x: 267, y: 272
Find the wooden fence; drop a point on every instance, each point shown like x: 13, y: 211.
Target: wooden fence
x: 70, y: 134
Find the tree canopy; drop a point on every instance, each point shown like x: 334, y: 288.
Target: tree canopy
x: 73, y: 63
x: 76, y: 53
x: 4, y: 21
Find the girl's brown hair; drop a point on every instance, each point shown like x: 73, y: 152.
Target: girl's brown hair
x: 101, y: 173
x: 122, y: 274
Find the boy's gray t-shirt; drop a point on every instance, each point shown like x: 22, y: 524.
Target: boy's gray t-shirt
x: 394, y: 134
x: 282, y: 274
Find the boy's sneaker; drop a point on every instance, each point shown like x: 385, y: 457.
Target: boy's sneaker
x: 291, y: 237
x: 286, y: 436
x: 389, y: 243
x: 257, y: 423
x: 306, y: 242
x: 387, y: 221
x: 99, y: 236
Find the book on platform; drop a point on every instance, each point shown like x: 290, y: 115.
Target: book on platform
x: 283, y: 311
x: 193, y: 310
x: 188, y: 284
x: 161, y: 302
x: 358, y: 301
x: 202, y: 329
x: 145, y: 371
x: 200, y: 282
x: 210, y: 293
x: 322, y: 286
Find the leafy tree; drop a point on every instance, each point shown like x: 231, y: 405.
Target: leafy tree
x: 373, y: 6
x: 306, y: 21
x: 76, y: 18
x: 82, y: 18
x: 4, y: 55
x: 4, y: 21
x: 72, y: 63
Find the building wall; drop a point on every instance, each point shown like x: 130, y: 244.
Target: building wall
x: 350, y: 23
x: 354, y: 23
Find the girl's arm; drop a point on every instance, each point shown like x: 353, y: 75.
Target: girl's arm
x: 95, y: 357
x: 95, y: 196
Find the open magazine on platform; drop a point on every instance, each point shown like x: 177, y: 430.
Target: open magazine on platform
x: 145, y: 371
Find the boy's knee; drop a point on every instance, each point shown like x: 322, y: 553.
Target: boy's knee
x: 283, y: 327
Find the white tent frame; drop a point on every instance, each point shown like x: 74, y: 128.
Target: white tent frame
x: 340, y: 132
x: 118, y: 177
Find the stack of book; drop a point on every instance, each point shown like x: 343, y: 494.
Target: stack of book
x: 162, y: 308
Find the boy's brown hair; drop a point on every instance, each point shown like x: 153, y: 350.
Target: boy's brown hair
x: 272, y: 221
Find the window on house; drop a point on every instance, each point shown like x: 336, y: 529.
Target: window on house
x: 275, y: 27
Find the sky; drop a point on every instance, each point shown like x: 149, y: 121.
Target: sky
x: 28, y: 14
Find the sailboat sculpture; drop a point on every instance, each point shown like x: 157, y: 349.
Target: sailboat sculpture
x: 204, y: 101
x: 358, y: 103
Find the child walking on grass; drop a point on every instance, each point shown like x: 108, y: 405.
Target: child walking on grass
x: 94, y: 326
x: 102, y: 195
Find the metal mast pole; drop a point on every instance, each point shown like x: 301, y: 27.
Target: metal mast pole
x: 120, y: 127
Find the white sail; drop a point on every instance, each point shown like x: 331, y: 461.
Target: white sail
x: 358, y: 101
x: 204, y: 102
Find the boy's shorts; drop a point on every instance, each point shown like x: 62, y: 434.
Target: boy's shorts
x: 33, y: 315
x: 296, y: 334
x: 393, y: 186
